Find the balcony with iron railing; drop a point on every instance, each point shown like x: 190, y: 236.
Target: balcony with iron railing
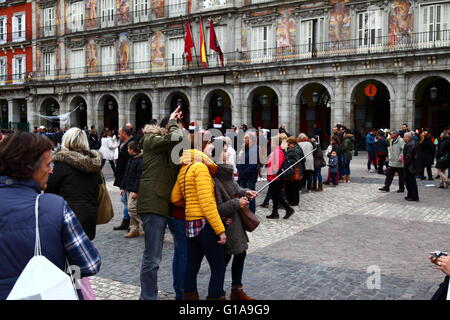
x: 13, y: 79
x: 15, y: 37
x: 290, y: 54
x: 110, y: 19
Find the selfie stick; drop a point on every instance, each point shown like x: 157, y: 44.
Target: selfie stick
x: 258, y: 192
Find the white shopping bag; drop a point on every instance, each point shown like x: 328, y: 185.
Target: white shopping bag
x: 41, y: 279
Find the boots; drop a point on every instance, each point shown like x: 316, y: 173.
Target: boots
x: 274, y: 215
x: 347, y: 179
x: 314, y: 187
x: 320, y: 187
x: 221, y: 298
x: 133, y: 234
x: 238, y: 294
x: 124, y: 226
x: 190, y: 296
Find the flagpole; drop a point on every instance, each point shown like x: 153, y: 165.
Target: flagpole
x: 195, y: 48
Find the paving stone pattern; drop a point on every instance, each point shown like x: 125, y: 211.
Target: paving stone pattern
x: 322, y: 252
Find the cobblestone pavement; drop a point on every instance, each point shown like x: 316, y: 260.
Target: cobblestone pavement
x: 322, y: 252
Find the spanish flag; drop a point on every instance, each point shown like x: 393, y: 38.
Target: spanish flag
x: 202, y: 46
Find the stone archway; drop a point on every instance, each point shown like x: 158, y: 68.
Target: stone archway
x: 142, y: 109
x: 179, y: 99
x: 78, y: 117
x: 50, y: 107
x: 218, y: 104
x: 264, y: 107
x: 108, y: 105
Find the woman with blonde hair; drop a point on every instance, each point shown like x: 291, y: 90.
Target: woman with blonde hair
x: 76, y: 177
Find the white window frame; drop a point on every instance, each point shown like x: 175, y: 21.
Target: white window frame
x: 3, y: 29
x: 308, y: 39
x: 108, y: 59
x: 262, y: 44
x: 3, y: 70
x: 175, y: 52
x: 18, y: 30
x: 77, y: 62
x: 177, y: 8
x: 76, y: 16
x: 141, y: 56
x: 370, y: 28
x: 19, y: 75
x: 433, y: 27
x: 141, y: 10
x: 49, y: 16
x: 107, y: 13
x: 48, y: 63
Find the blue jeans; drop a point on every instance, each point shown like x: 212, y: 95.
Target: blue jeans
x: 124, y: 200
x: 346, y: 171
x: 252, y: 186
x: 205, y: 244
x: 178, y: 230
x: 154, y: 227
x: 317, y: 177
x: 372, y: 158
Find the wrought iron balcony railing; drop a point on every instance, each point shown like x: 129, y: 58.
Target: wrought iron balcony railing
x: 329, y: 49
x: 16, y: 36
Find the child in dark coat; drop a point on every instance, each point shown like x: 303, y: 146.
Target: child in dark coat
x: 334, y: 168
x: 130, y: 184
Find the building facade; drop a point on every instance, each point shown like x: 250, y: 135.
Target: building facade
x: 16, y: 61
x: 359, y: 63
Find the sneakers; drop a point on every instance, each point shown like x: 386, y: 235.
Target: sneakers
x: 384, y: 189
x: 273, y: 216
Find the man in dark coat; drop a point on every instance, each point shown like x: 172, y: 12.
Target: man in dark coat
x: 410, y: 167
x: 125, y: 136
x: 247, y: 165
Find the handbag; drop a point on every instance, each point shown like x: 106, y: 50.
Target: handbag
x: 41, y: 279
x: 443, y: 162
x: 105, y: 211
x: 249, y: 220
x: 297, y: 176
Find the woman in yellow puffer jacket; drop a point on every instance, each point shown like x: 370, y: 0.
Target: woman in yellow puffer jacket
x: 205, y: 231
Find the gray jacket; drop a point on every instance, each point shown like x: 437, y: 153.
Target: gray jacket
x: 228, y: 193
x: 395, y: 153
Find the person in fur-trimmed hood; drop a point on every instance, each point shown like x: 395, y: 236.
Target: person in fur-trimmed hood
x: 76, y: 177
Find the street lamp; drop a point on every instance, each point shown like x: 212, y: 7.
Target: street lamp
x: 52, y: 107
x: 219, y: 102
x: 144, y: 104
x: 110, y: 105
x: 22, y: 107
x: 315, y: 97
x: 433, y: 93
x: 5, y: 108
x: 179, y: 102
x: 265, y: 100
x: 81, y: 105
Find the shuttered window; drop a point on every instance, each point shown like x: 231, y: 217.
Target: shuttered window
x: 434, y: 22
x: 370, y: 27
x: 140, y: 10
x: 49, y: 22
x: 177, y: 8
x: 77, y: 16
x: 141, y: 56
x: 19, y: 68
x: 107, y: 13
x: 49, y: 65
x: 3, y: 70
x: 77, y: 62
x: 3, y: 29
x: 108, y: 60
x: 176, y: 53
x: 18, y: 22
x: 262, y: 44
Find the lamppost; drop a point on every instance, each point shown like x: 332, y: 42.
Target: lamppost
x: 81, y: 106
x: 179, y: 102
x: 143, y: 104
x: 265, y: 100
x: 110, y: 105
x: 315, y: 97
x: 433, y: 93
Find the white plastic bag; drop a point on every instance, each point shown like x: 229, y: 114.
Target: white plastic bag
x: 41, y: 279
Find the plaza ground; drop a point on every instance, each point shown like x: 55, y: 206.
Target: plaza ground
x: 324, y: 251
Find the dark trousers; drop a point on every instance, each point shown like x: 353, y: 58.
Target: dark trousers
x: 111, y: 163
x: 307, y: 179
x: 441, y: 293
x: 178, y: 230
x: 252, y: 186
x: 205, y: 244
x: 293, y: 191
x: 277, y: 198
x: 411, y: 185
x: 390, y: 176
x: 267, y: 198
x: 372, y: 158
x: 429, y: 173
x: 381, y: 162
x: 237, y: 267
x: 335, y: 178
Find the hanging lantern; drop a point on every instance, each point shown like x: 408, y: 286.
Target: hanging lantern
x: 110, y: 105
x: 315, y: 97
x: 433, y: 93
x: 219, y: 102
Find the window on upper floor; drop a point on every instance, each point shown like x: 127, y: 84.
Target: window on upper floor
x: 262, y: 45
x: 19, y: 68
x: 176, y: 53
x: 108, y: 60
x: 18, y: 24
x: 312, y: 35
x: 141, y: 56
x: 77, y: 62
x: 435, y: 22
x: 49, y: 21
x: 107, y: 12
x: 213, y: 3
x: 77, y: 16
x: 370, y: 27
x: 3, y: 70
x: 259, y: 1
x: 177, y: 8
x: 3, y: 29
x: 141, y: 10
x: 49, y: 65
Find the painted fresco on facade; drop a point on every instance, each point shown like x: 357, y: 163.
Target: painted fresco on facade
x: 92, y: 59
x: 401, y: 22
x: 339, y: 24
x: 158, y: 8
x: 91, y: 14
x: 38, y: 20
x: 244, y: 42
x: 38, y: 60
x: 286, y: 32
x: 124, y: 52
x: 158, y: 50
x: 58, y: 18
x: 66, y: 16
x: 123, y: 11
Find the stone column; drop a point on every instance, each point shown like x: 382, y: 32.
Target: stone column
x: 338, y: 107
x: 31, y: 109
x: 196, y: 109
x: 236, y: 107
x: 283, y: 111
x: 156, y: 105
x: 399, y: 112
x: 91, y: 110
x: 121, y: 109
x: 410, y: 110
x: 13, y: 111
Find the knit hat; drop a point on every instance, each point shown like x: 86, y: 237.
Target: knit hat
x: 193, y: 126
x: 217, y: 122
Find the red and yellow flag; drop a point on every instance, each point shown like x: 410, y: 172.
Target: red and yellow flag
x: 202, y: 47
